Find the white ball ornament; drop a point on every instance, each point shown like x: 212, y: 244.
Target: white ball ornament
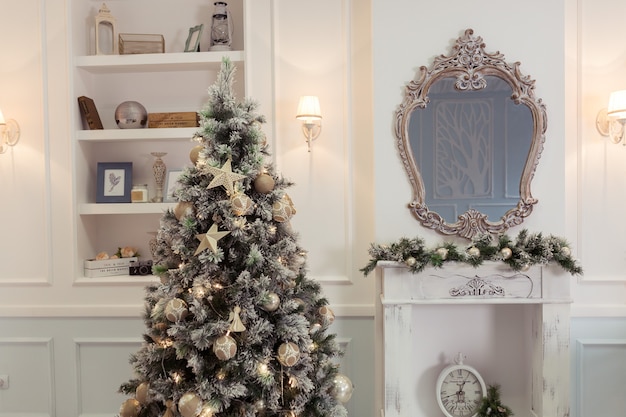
x: 525, y: 267
x: 283, y: 209
x: 288, y: 354
x: 272, y: 302
x: 342, y: 388
x: 176, y: 310
x: 506, y: 253
x: 241, y: 204
x: 565, y: 251
x: 474, y: 251
x: 189, y: 405
x: 442, y: 252
x: 225, y: 347
x: 130, y: 408
x: 410, y: 261
x: 327, y: 314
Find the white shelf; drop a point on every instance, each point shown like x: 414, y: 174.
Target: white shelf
x: 123, y: 208
x: 117, y: 280
x: 114, y: 135
x: 155, y: 62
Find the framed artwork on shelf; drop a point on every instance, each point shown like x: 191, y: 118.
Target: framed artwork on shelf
x: 115, y: 180
x: 171, y: 184
x: 193, y: 40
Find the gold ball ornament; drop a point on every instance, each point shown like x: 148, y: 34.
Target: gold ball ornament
x: 241, y: 204
x: 194, y: 155
x: 342, y: 388
x: 565, y: 251
x: 315, y: 327
x: 189, y: 405
x: 288, y: 354
x: 410, y: 261
x: 176, y: 310
x: 224, y: 347
x: 264, y: 184
x: 161, y: 326
x: 141, y: 393
x: 283, y: 209
x: 183, y: 209
x: 130, y: 408
x: 474, y: 251
x: 506, y: 253
x: 525, y: 267
x: 271, y: 303
x: 442, y: 252
x: 327, y: 314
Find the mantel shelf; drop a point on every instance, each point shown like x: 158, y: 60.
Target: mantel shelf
x: 113, y: 135
x: 155, y: 62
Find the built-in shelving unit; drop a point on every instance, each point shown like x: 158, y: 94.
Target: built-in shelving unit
x: 163, y: 82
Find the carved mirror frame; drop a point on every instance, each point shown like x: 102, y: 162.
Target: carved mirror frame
x: 469, y: 64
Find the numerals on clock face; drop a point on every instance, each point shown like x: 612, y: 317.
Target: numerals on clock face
x: 461, y: 393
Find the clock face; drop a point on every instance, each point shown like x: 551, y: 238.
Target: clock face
x: 460, y: 391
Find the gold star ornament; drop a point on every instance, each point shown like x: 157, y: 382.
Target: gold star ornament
x: 224, y: 176
x: 209, y: 239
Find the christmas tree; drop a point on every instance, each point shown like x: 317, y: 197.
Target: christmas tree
x: 234, y: 328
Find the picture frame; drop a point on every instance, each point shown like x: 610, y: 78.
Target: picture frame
x: 192, y: 44
x: 114, y: 182
x: 171, y: 184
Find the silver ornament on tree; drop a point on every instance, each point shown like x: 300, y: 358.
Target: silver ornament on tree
x: 158, y: 169
x: 342, y: 388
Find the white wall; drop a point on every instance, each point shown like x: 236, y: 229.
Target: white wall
x: 351, y: 190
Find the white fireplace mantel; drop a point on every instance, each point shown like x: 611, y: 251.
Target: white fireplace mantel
x: 514, y: 326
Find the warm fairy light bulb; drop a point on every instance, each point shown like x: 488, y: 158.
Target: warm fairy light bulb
x: 263, y: 369
x: 207, y: 411
x: 293, y: 382
x: 165, y: 343
x: 218, y: 286
x: 313, y: 346
x: 221, y: 375
x: 181, y: 265
x: 177, y: 377
x: 272, y: 230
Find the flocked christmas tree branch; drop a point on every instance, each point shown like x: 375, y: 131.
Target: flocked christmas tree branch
x: 526, y: 250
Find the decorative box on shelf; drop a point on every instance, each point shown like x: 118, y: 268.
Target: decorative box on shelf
x: 173, y: 119
x: 137, y: 43
x: 107, y: 267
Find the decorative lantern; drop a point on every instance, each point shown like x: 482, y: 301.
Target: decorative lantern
x: 221, y: 28
x: 105, y: 26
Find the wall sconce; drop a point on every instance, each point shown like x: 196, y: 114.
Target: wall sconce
x: 9, y: 133
x: 311, y: 115
x: 612, y: 120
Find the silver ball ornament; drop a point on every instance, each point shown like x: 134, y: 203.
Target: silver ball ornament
x: 506, y: 253
x: 342, y: 388
x: 272, y: 302
x: 131, y: 115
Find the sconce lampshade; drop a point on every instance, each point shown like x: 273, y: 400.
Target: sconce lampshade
x: 617, y: 105
x: 309, y: 108
x: 2, y: 121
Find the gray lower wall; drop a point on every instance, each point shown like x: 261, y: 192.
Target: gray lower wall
x: 74, y: 366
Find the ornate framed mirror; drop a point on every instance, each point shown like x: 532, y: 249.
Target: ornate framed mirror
x: 470, y: 132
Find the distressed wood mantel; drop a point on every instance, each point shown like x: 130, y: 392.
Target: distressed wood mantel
x: 401, y: 295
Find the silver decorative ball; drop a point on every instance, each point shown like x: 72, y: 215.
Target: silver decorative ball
x: 342, y: 388
x: 131, y: 115
x: 272, y: 302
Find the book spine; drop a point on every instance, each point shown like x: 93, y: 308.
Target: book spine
x: 89, y: 113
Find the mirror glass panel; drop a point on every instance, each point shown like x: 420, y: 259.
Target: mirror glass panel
x: 470, y: 133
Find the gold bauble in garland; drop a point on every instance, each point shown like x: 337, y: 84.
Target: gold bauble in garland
x: 283, y: 209
x: 176, y: 310
x: 194, y: 155
x: 130, y: 408
x: 241, y: 204
x: 183, y: 209
x: 506, y: 253
x: 264, y: 184
x: 189, y: 405
x: 342, y: 388
x: 141, y: 393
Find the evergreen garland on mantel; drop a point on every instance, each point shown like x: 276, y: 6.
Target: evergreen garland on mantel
x: 526, y: 250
